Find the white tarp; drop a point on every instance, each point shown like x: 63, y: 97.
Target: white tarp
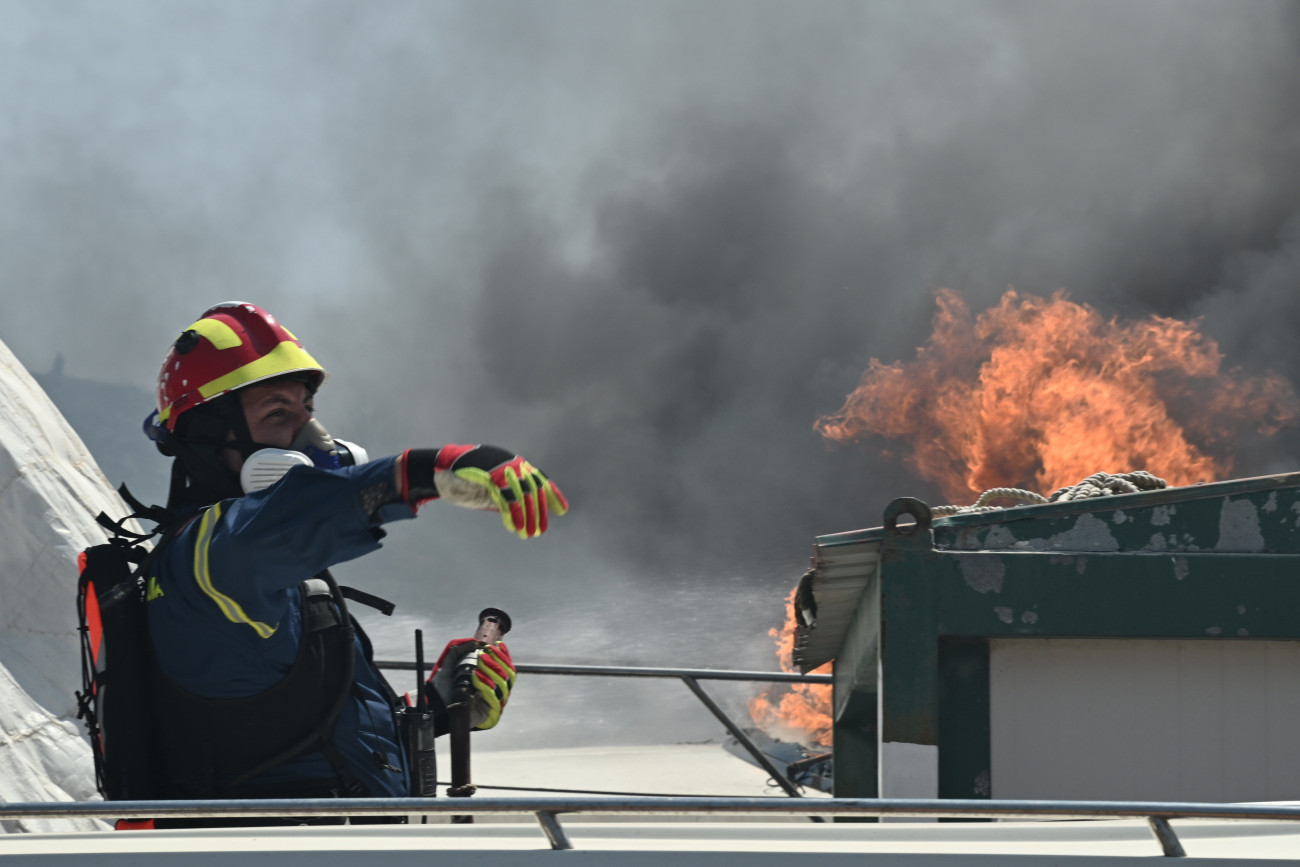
x: 50, y: 492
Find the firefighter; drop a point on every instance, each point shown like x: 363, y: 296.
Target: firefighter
x: 264, y: 687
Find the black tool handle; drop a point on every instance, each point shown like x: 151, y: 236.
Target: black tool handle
x: 493, y: 623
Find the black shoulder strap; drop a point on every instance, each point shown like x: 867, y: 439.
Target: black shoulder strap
x: 159, y: 515
x: 118, y: 528
x: 383, y: 606
x: 162, y: 519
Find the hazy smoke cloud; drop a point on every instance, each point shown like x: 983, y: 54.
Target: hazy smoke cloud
x: 646, y: 244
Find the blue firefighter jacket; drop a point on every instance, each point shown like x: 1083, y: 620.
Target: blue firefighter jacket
x: 225, y: 611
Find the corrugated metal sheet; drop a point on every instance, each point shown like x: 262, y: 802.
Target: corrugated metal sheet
x: 843, y: 565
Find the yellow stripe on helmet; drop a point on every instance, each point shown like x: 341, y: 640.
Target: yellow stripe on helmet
x: 221, y: 335
x: 285, y: 358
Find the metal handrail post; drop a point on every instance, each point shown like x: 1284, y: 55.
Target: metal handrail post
x: 550, y: 823
x: 789, y: 788
x: 1164, y: 832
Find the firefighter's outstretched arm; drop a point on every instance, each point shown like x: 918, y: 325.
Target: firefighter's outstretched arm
x: 482, y: 477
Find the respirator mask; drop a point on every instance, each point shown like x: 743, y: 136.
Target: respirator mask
x: 313, y: 447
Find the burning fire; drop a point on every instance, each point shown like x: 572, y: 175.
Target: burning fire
x: 802, y: 714
x: 1041, y: 393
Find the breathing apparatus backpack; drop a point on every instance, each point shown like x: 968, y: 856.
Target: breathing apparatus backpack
x: 116, y: 657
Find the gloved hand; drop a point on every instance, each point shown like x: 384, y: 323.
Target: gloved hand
x: 485, y: 477
x: 493, y: 675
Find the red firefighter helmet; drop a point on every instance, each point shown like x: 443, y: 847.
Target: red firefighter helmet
x: 233, y: 345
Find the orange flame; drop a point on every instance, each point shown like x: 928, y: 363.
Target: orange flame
x: 1041, y: 393
x: 800, y: 712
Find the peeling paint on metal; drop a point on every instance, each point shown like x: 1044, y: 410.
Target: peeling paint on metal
x: 983, y: 785
x: 1029, y: 617
x: 1081, y: 565
x: 1006, y: 615
x: 1160, y: 515
x: 1270, y: 505
x: 1088, y: 534
x: 1241, y: 609
x: 1295, y: 507
x: 1243, y: 633
x: 968, y: 540
x: 982, y: 574
x: 1180, y: 568
x: 1214, y: 630
x: 1000, y: 537
x: 1239, y: 527
x: 1157, y: 543
x: 1119, y: 517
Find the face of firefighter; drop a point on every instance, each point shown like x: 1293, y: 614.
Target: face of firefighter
x: 275, y: 413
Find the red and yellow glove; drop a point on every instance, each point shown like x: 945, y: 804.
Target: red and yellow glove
x: 493, y: 677
x: 483, y: 477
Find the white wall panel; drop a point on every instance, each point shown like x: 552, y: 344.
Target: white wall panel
x: 1212, y: 720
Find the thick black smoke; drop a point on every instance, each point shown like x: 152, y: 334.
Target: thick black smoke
x: 646, y: 244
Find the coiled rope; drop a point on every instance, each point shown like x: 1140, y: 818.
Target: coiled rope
x: 1096, y: 485
x: 981, y: 505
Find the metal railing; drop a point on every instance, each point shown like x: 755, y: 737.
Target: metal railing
x: 689, y: 676
x: 547, y: 811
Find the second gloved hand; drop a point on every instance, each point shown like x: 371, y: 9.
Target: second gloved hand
x: 491, y: 679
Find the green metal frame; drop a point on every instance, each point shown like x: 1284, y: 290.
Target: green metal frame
x: 1217, y: 561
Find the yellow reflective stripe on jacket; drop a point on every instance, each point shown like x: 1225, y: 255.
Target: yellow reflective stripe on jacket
x: 203, y: 574
x: 284, y: 358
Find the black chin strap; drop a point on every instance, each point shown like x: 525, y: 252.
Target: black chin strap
x: 200, y: 475
x: 201, y: 478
